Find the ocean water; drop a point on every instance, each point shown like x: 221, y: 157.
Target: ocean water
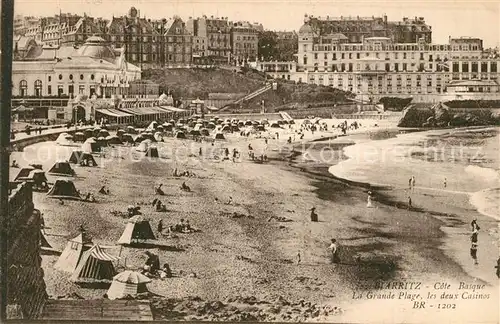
x: 457, y: 160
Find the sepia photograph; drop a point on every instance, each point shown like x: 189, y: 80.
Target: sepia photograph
x: 259, y: 161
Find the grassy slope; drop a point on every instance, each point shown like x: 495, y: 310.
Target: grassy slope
x: 192, y: 83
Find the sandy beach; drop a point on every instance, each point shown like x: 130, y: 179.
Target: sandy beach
x: 242, y: 250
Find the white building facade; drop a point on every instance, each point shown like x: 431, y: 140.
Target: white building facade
x: 377, y: 67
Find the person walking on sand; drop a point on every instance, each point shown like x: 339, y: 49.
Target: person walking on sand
x: 475, y: 227
x: 409, y: 183
x: 369, y: 203
x: 473, y: 248
x: 314, y: 216
x: 409, y: 202
x: 334, y: 249
x: 160, y: 226
x: 413, y: 182
x: 298, y: 258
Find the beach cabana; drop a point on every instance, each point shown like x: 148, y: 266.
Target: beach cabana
x: 127, y: 138
x: 275, y: 125
x: 72, y: 253
x: 143, y: 146
x: 64, y: 139
x: 204, y: 132
x: 128, y: 283
x: 219, y: 136
x: 180, y: 135
x: 114, y: 140
x: 95, y: 267
x: 62, y: 168
x: 90, y: 146
x: 78, y: 157
x: 79, y: 137
x: 137, y: 231
x: 103, y: 133
x: 152, y: 152
x: 63, y: 189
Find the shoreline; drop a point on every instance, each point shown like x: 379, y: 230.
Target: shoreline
x: 387, y: 195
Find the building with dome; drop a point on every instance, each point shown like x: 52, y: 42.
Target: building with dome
x: 50, y: 76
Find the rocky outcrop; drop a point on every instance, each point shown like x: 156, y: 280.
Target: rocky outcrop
x: 440, y: 115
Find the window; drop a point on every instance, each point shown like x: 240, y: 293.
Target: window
x: 71, y: 76
x: 455, y: 67
x: 49, y: 90
x: 493, y: 67
x: 60, y: 90
x: 23, y: 88
x: 465, y: 67
x: 38, y: 88
x: 315, y: 56
x: 50, y: 78
x: 81, y: 76
x: 81, y: 89
x: 357, y: 56
x: 60, y: 76
x: 74, y: 245
x: 71, y: 89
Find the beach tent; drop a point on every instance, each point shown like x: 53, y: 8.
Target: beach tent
x: 152, y: 152
x: 285, y: 122
x: 103, y: 133
x: 219, y: 136
x: 211, y: 125
x: 64, y: 139
x: 195, y: 132
x: 73, y: 252
x: 88, y: 133
x: 64, y: 189
x: 79, y: 137
x: 248, y: 123
x: 137, y: 231
x: 143, y: 146
x: 204, y: 132
x: 152, y: 126
x: 235, y: 128
x: 120, y: 132
x: 279, y: 122
x: 241, y: 123
x: 79, y: 156
x: 168, y: 127
x: 275, y: 125
x: 95, y: 266
x: 180, y: 135
x: 131, y: 130
x: 140, y: 138
x: 158, y: 137
x: 23, y: 173
x: 127, y: 138
x: 226, y: 128
x: 43, y: 241
x: 128, y: 283
x: 198, y: 126
x: 90, y: 146
x: 291, y: 121
x: 62, y: 168
x: 101, y: 141
x: 260, y: 128
x: 115, y: 140
x: 96, y: 131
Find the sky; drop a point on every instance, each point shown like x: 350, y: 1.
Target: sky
x: 447, y: 17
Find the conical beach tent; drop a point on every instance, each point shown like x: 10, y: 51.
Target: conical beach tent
x: 137, y: 231
x: 152, y: 126
x: 64, y: 189
x: 90, y: 146
x: 180, y: 135
x: 23, y: 174
x: 143, y: 146
x: 115, y: 140
x: 152, y: 152
x: 219, y: 136
x: 128, y: 283
x: 64, y: 139
x: 95, y: 266
x: 73, y: 252
x: 79, y: 156
x: 62, y: 168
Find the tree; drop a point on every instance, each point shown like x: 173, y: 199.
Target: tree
x: 267, y: 45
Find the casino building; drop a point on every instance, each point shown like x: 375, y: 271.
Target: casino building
x: 377, y: 67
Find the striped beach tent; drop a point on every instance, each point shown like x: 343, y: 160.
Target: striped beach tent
x: 73, y: 252
x: 127, y: 283
x: 95, y: 266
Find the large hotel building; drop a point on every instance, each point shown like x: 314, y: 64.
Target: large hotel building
x: 374, y: 58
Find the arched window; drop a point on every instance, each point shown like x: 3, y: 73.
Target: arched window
x: 81, y: 76
x: 38, y: 88
x: 60, y: 76
x: 71, y: 76
x: 23, y: 88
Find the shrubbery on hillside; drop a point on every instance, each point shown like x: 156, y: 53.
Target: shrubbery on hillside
x: 473, y: 104
x: 394, y: 103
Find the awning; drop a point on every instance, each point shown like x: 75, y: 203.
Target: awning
x: 172, y: 109
x: 113, y: 112
x: 99, y: 254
